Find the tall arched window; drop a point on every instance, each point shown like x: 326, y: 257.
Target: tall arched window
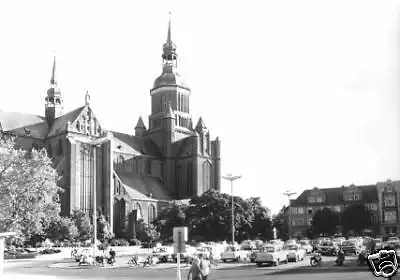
x: 206, y: 176
x: 138, y: 208
x: 152, y: 213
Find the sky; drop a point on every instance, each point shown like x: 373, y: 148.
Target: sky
x: 302, y: 94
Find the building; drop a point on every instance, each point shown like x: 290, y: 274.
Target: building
x: 134, y: 174
x: 304, y: 207
x: 388, y: 206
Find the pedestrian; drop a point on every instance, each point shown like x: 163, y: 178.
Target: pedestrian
x: 205, y: 266
x: 195, y: 272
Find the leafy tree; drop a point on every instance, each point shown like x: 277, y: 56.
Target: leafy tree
x: 209, y: 216
x: 262, y: 224
x: 103, y: 229
x: 356, y: 218
x: 325, y: 221
x: 279, y: 222
x: 171, y: 216
x: 62, y: 228
x: 28, y: 191
x: 83, y: 223
x: 147, y: 232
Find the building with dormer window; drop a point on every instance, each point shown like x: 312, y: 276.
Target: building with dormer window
x: 302, y: 209
x: 134, y: 174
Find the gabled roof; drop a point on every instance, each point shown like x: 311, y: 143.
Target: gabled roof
x: 138, y: 144
x: 334, y: 196
x: 11, y: 120
x: 139, y: 187
x: 38, y: 130
x: 60, y: 124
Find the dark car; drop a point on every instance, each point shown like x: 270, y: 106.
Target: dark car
x: 328, y: 248
x: 349, y: 247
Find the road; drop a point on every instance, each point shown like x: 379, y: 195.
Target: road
x: 40, y: 270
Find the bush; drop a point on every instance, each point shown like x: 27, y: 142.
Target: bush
x: 135, y: 242
x: 104, y: 245
x: 119, y: 242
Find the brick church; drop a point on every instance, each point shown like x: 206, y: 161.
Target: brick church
x: 134, y: 174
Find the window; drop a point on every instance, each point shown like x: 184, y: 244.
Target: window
x: 152, y: 213
x: 298, y: 222
x: 390, y: 216
x: 298, y: 210
x: 309, y: 211
x: 315, y: 199
x: 310, y: 221
x: 319, y: 199
x: 389, y: 200
x: 312, y: 199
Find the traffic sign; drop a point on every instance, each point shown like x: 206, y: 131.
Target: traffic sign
x: 180, y: 236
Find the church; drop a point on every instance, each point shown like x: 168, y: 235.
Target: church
x: 131, y: 176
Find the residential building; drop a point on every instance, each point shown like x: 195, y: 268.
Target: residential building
x: 303, y: 208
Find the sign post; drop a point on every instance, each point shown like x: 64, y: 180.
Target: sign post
x: 3, y: 236
x: 180, y: 236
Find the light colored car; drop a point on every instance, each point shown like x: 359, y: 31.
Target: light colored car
x: 295, y: 253
x: 233, y: 253
x: 306, y: 245
x: 271, y: 255
x: 163, y: 253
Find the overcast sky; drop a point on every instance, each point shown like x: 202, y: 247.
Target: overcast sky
x: 301, y: 93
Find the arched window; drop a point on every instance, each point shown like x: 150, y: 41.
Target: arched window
x: 206, y: 176
x: 152, y: 213
x: 138, y: 208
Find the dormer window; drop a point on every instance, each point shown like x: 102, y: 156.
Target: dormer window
x: 315, y: 199
x: 27, y: 132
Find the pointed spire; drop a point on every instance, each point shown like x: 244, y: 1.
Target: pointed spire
x: 200, y: 125
x: 170, y: 112
x: 87, y: 98
x: 169, y: 29
x: 140, y: 124
x: 53, y: 73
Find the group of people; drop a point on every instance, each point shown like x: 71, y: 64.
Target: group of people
x: 200, y: 268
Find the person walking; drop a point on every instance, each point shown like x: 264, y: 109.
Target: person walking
x: 205, y: 266
x: 195, y: 272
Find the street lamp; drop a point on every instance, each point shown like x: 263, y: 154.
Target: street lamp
x: 232, y: 178
x: 93, y: 144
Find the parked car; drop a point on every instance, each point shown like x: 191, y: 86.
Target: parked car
x: 253, y: 255
x: 232, y: 253
x: 306, y: 245
x: 328, y: 248
x: 378, y: 243
x: 295, y: 253
x: 271, y: 255
x: 187, y: 256
x: 350, y: 247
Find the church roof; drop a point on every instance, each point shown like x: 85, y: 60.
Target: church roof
x: 38, y: 130
x: 170, y: 77
x: 60, y: 124
x: 139, y: 187
x: 334, y: 196
x: 11, y: 120
x: 138, y: 144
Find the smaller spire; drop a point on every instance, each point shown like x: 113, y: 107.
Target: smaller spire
x: 87, y: 98
x: 169, y: 29
x: 140, y: 124
x: 170, y: 112
x: 200, y: 125
x: 53, y: 73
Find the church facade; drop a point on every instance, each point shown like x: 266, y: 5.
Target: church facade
x: 131, y: 175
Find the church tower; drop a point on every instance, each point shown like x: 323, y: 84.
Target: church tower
x: 170, y: 90
x: 54, y: 106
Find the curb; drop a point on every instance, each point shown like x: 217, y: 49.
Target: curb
x: 327, y: 269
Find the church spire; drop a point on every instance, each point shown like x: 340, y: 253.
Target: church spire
x: 87, y: 98
x: 169, y: 50
x: 53, y: 73
x: 169, y: 29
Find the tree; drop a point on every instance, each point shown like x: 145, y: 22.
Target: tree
x: 356, y: 218
x: 261, y: 227
x: 171, y: 216
x: 209, y: 216
x: 83, y: 224
x: 325, y: 222
x: 279, y: 222
x: 62, y: 228
x: 28, y: 191
x: 103, y: 229
x: 147, y: 232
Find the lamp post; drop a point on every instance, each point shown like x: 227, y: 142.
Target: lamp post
x: 91, y: 148
x: 232, y: 178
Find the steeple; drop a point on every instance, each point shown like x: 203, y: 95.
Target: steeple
x: 53, y: 102
x: 140, y: 128
x: 200, y: 127
x: 53, y: 73
x: 87, y: 98
x: 169, y: 49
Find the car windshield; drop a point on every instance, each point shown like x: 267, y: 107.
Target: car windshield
x: 269, y: 249
x: 393, y: 238
x: 348, y: 243
x: 326, y: 244
x: 304, y: 242
x: 292, y: 247
x: 230, y: 249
